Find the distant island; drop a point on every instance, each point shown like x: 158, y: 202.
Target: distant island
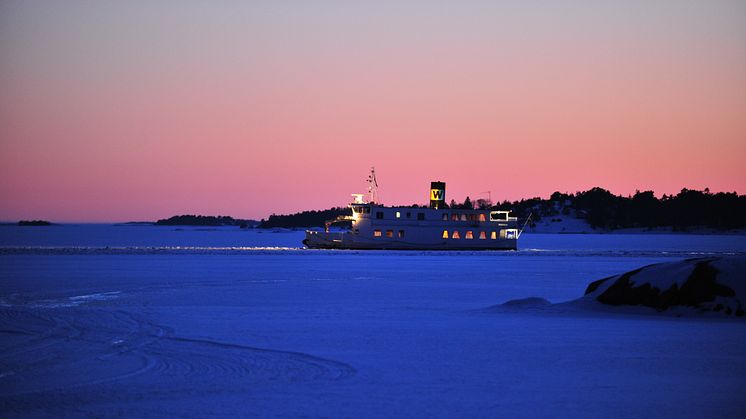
x: 206, y: 220
x: 596, y: 207
x: 304, y: 219
x: 34, y: 223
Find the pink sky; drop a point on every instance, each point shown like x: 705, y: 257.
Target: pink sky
x: 118, y: 111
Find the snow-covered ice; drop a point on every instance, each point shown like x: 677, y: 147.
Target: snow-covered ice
x: 154, y: 321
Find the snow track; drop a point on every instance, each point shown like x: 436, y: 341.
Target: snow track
x: 49, y: 356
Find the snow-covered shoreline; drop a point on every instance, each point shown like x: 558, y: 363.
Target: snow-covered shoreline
x: 563, y: 224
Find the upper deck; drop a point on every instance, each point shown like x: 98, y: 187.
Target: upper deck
x: 416, y: 215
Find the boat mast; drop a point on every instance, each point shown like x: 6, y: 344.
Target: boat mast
x: 372, y: 186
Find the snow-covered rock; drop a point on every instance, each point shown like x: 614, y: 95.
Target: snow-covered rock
x: 526, y: 302
x: 713, y: 284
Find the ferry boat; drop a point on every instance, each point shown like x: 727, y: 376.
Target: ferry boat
x: 436, y: 227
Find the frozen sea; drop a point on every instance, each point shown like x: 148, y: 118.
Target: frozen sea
x: 139, y: 320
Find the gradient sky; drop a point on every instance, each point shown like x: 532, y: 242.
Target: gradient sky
x: 138, y: 110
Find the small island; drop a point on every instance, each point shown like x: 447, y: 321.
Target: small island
x: 34, y: 223
x: 205, y: 221
x: 304, y: 218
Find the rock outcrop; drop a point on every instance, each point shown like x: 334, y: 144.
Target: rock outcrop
x: 716, y: 284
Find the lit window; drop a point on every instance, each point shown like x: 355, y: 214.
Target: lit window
x: 454, y: 217
x: 493, y: 235
x: 401, y: 233
x: 389, y: 233
x: 445, y: 216
x: 456, y: 235
x: 377, y: 233
x: 482, y: 235
x: 469, y: 235
x: 398, y: 214
x: 499, y: 216
x: 463, y: 217
x: 482, y: 217
x: 379, y: 215
x: 445, y: 234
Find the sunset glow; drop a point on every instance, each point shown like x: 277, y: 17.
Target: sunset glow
x: 120, y: 111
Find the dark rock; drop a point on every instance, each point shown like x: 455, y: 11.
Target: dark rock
x: 595, y: 284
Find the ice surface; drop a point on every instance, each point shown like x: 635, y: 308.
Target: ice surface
x: 212, y: 323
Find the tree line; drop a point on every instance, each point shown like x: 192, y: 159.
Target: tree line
x: 204, y: 220
x: 602, y: 209
x: 304, y: 218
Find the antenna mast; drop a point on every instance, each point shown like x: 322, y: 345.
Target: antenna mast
x: 372, y: 186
